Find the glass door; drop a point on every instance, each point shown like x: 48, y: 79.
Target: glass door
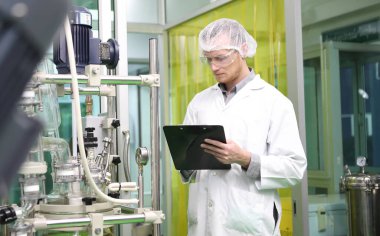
x: 341, y: 111
x: 356, y: 80
x: 360, y: 81
x: 342, y: 123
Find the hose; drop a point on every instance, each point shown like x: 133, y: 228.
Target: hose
x: 76, y: 104
x: 126, y: 156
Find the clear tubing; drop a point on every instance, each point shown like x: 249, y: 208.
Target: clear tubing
x: 77, y: 113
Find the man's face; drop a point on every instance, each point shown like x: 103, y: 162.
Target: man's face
x: 225, y: 64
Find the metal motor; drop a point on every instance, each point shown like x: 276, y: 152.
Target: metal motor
x: 87, y: 50
x: 363, y: 200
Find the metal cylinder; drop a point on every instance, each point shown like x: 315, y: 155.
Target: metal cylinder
x: 141, y: 189
x: 85, y: 221
x: 83, y: 79
x: 363, y: 201
x: 142, y: 157
x: 81, y: 24
x: 155, y: 132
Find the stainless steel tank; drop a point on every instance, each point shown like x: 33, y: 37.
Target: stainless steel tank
x: 363, y: 201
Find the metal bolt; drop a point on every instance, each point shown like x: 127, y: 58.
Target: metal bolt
x: 95, y: 71
x: 98, y: 231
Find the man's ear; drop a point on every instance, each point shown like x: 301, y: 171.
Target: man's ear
x: 244, y: 50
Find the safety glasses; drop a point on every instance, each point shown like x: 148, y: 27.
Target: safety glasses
x: 220, y: 60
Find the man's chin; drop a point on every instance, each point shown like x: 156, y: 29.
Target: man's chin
x: 220, y: 78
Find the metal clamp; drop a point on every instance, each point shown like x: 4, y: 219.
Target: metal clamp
x: 93, y: 73
x: 96, y: 226
x: 155, y: 217
x: 151, y: 80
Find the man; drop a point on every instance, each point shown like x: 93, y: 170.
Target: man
x: 263, y: 144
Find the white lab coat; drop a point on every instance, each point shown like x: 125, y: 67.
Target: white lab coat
x: 231, y: 202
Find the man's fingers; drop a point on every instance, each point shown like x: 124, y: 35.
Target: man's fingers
x: 218, y: 156
x: 213, y: 148
x: 214, y: 142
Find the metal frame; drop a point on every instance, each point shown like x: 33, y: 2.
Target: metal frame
x: 295, y: 78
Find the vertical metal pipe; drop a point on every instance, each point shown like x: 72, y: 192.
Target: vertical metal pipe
x: 155, y: 133
x: 141, y: 187
x: 111, y: 132
x: 295, y: 85
x: 112, y: 113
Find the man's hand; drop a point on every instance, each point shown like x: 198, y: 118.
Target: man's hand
x: 227, y: 153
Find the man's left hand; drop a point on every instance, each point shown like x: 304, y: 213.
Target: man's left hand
x: 227, y: 153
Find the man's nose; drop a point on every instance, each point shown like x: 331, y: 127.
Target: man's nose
x: 213, y: 66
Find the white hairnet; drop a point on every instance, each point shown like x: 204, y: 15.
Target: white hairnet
x: 227, y: 34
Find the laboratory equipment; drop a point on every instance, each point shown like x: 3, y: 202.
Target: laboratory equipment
x: 26, y: 31
x: 86, y: 193
x: 363, y: 199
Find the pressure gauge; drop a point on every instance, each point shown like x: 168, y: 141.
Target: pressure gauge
x: 361, y: 161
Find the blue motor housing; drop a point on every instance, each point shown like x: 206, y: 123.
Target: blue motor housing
x: 87, y: 50
x: 81, y: 25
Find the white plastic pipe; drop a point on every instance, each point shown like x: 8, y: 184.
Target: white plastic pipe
x: 76, y: 104
x: 125, y: 186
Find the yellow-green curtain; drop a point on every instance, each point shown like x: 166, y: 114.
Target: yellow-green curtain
x: 265, y: 21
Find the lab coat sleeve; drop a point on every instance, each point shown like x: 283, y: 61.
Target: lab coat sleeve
x: 285, y: 163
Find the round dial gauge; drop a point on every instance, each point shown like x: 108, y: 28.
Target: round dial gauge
x: 361, y: 161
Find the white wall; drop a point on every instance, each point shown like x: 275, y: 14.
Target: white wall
x: 142, y: 11
x: 324, y: 15
x: 177, y: 10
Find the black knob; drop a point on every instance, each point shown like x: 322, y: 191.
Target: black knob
x: 7, y: 215
x: 89, y: 129
x: 88, y: 200
x: 115, y: 123
x: 116, y: 160
x: 114, y: 195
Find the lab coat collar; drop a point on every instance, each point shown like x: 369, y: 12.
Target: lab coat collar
x: 256, y: 83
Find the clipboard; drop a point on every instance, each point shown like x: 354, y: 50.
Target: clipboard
x: 185, y: 141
